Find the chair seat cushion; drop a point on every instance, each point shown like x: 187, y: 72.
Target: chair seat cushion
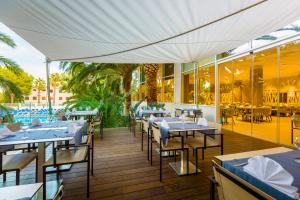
x: 173, y: 145
x: 18, y: 161
x: 198, y: 142
x: 68, y: 156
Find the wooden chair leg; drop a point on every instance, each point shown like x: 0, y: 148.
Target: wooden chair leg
x: 175, y: 156
x: 36, y: 169
x: 160, y: 165
x: 151, y: 149
x: 88, y: 178
x: 92, y: 162
x: 202, y: 153
x: 142, y: 147
x: 196, y: 152
x: 148, y: 146
x: 187, y: 161
x: 18, y: 177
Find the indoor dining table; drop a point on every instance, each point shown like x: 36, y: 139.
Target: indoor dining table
x: 180, y: 167
x: 41, y: 134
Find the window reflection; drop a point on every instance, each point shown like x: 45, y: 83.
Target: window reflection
x: 206, y: 85
x: 188, y: 84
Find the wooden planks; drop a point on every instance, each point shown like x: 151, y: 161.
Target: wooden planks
x: 123, y: 172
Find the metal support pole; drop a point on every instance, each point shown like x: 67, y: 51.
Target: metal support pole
x: 48, y: 86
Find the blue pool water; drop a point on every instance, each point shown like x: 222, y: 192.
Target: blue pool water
x: 27, y: 120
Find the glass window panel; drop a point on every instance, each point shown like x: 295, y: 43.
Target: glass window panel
x: 168, y: 70
x: 206, y: 85
x: 188, y: 83
x: 289, y: 89
x: 159, y: 84
x: 265, y: 95
x: 225, y: 94
x: 241, y: 95
x: 168, y: 89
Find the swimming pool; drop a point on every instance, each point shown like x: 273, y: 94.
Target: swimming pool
x: 28, y: 119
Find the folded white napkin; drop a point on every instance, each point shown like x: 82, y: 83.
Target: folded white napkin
x: 164, y: 123
x: 72, y: 129
x: 152, y: 117
x: 202, y: 122
x: 272, y: 173
x: 36, y: 122
x: 4, y: 132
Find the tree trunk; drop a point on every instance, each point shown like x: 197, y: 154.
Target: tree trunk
x: 127, y: 86
x: 151, y: 84
x: 54, y: 94
x: 12, y: 96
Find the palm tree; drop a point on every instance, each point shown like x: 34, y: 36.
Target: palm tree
x: 40, y: 85
x: 83, y: 74
x: 5, y: 84
x: 151, y: 84
x: 55, y: 83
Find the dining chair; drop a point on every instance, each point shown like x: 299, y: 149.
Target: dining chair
x: 295, y: 125
x: 232, y: 187
x: 59, y: 194
x: 15, y: 162
x: 69, y: 155
x: 174, y: 144
x: 204, y: 140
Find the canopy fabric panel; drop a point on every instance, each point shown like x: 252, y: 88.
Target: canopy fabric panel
x: 137, y: 31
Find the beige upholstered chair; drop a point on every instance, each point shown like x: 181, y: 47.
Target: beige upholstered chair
x: 295, y: 125
x: 204, y: 141
x: 69, y: 155
x: 231, y: 187
x: 15, y: 162
x: 175, y: 143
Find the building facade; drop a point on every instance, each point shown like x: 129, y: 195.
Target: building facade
x: 252, y: 90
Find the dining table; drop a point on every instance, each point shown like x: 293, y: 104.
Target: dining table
x: 42, y: 134
x: 284, y: 156
x: 158, y: 120
x: 84, y: 113
x: 180, y: 167
x: 156, y: 113
x: 24, y: 192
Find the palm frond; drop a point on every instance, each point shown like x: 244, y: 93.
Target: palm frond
x: 8, y: 85
x: 7, y: 40
x: 10, y: 65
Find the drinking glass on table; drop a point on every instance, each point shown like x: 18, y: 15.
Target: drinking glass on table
x: 24, y: 130
x: 297, y: 145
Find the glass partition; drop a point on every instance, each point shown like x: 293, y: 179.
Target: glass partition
x: 188, y: 85
x: 206, y: 85
x: 242, y: 95
x: 289, y: 89
x: 265, y: 95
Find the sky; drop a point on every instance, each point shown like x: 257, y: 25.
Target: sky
x: 26, y: 56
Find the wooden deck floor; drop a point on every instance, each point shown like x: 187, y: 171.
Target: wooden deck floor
x: 123, y: 172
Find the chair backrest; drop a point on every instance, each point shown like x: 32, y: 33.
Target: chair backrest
x: 156, y: 133
x: 177, y: 112
x: 232, y: 187
x: 145, y: 125
x: 14, y: 127
x: 296, y: 121
x: 216, y: 138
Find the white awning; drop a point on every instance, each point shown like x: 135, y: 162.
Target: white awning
x: 143, y: 31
